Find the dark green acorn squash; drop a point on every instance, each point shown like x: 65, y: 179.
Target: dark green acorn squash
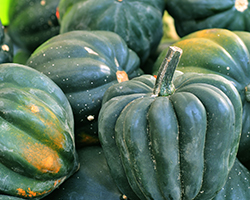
x: 37, y: 149
x: 138, y: 22
x: 237, y: 186
x: 194, y: 15
x: 84, y: 64
x: 167, y: 139
x: 32, y: 22
x: 223, y: 52
x: 92, y: 182
x: 6, y: 46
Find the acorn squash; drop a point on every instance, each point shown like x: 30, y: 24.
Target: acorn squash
x: 32, y: 22
x: 180, y: 134
x: 237, y: 186
x: 91, y: 182
x: 139, y: 23
x: 194, y: 15
x: 223, y: 52
x: 37, y: 149
x: 84, y: 64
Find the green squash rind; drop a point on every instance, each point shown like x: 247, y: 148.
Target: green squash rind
x: 195, y: 15
x: 139, y: 23
x: 32, y: 22
x: 237, y: 186
x: 92, y: 181
x: 37, y: 138
x: 84, y: 64
x: 231, y: 59
x: 130, y: 126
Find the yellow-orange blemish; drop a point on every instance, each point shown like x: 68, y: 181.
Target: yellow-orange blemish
x: 42, y: 158
x: 21, y: 192
x: 43, y: 2
x: 58, y: 137
x: 121, y: 76
x: 57, y: 182
x: 52, y: 128
x: 88, y: 140
x: 34, y: 108
x: 57, y: 13
x: 29, y: 193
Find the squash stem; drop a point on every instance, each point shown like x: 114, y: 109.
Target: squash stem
x: 164, y: 82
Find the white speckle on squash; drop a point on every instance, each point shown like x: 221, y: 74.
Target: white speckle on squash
x: 91, y: 51
x: 5, y: 47
x: 116, y: 62
x: 91, y: 117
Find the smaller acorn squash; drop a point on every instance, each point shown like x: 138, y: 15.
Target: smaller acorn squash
x: 195, y: 15
x: 180, y: 134
x: 32, y: 22
x: 92, y: 181
x: 139, y: 22
x: 237, y: 186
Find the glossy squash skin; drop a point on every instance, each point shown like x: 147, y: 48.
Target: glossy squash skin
x: 84, y: 64
x: 237, y: 186
x: 138, y: 22
x: 37, y: 139
x: 223, y: 52
x: 185, y: 142
x: 92, y: 181
x: 6, y: 46
x: 194, y: 15
x: 32, y: 22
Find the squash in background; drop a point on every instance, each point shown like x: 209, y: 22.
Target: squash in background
x: 6, y: 46
x: 84, y: 64
x: 194, y: 15
x: 182, y: 135
x: 139, y: 23
x: 237, y: 186
x: 223, y: 52
x: 92, y: 182
x: 37, y: 149
x: 32, y: 22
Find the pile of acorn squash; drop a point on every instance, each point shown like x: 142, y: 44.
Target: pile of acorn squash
x: 125, y: 100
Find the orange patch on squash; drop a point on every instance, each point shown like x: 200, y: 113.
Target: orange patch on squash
x: 57, y: 13
x: 42, y: 158
x: 34, y: 108
x: 52, y: 126
x: 88, y: 140
x: 121, y: 76
x: 56, y: 134
x: 30, y: 193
